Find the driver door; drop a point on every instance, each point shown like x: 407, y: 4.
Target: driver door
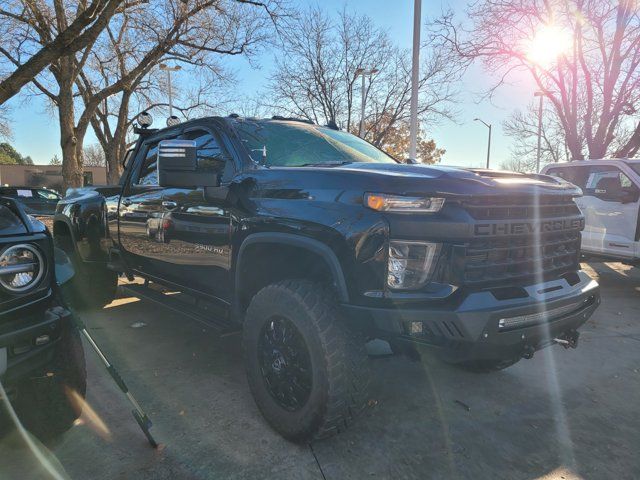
x: 610, y: 205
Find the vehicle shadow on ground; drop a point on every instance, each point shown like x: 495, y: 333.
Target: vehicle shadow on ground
x: 553, y: 414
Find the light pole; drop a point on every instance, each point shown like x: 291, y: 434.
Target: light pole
x: 541, y: 96
x: 361, y: 72
x: 168, y: 69
x: 488, y: 125
x: 415, y: 76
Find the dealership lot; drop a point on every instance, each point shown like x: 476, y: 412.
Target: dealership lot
x: 563, y: 414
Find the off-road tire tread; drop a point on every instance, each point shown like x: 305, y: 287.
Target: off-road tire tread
x: 345, y: 356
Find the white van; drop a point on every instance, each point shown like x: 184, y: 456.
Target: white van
x: 610, y: 205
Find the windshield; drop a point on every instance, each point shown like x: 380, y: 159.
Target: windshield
x: 297, y: 144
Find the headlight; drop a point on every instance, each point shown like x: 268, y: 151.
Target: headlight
x: 410, y: 263
x: 398, y: 203
x: 21, y: 268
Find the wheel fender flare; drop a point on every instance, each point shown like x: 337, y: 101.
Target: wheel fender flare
x: 299, y: 241
x: 73, y: 231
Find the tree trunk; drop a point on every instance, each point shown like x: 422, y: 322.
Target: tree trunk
x: 114, y: 153
x: 71, y: 162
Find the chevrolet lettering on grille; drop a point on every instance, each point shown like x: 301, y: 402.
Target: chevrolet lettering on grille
x: 524, y: 228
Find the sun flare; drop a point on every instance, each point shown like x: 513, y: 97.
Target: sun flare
x: 548, y: 43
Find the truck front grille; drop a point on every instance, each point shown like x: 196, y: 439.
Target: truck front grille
x: 521, y: 239
x: 509, y: 258
x: 514, y: 208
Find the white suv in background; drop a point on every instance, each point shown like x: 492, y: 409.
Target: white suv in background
x: 610, y: 205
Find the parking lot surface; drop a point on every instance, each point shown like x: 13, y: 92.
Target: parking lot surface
x: 565, y: 414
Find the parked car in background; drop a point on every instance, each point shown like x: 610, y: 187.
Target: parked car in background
x: 42, y: 367
x: 610, y: 204
x: 35, y: 201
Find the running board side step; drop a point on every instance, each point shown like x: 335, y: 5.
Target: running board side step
x: 214, y: 318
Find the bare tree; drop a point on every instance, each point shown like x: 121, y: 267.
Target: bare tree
x: 90, y: 19
x: 316, y: 76
x: 593, y: 84
x: 93, y: 156
x: 5, y: 127
x: 522, y: 128
x: 174, y: 27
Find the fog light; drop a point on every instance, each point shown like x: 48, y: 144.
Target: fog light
x: 42, y: 339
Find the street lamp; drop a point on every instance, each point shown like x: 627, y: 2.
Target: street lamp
x: 168, y: 69
x: 488, y: 125
x: 540, y: 95
x: 361, y: 72
x: 415, y: 76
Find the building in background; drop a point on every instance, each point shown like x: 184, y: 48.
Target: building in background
x: 49, y: 176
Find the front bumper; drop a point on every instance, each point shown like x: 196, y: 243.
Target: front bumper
x: 473, y: 329
x: 28, y: 344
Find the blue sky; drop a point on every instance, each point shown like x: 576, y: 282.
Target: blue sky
x: 36, y: 130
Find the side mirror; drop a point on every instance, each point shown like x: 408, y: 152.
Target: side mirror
x: 178, y: 166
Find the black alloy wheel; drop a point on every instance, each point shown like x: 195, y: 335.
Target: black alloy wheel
x: 285, y: 363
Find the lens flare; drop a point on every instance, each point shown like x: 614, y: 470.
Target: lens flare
x: 548, y: 43
x: 89, y: 417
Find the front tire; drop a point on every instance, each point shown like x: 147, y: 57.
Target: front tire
x: 307, y: 372
x: 48, y: 404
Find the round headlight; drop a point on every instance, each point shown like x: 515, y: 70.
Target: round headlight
x: 21, y: 268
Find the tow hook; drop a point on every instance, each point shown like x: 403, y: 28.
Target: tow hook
x: 568, y: 339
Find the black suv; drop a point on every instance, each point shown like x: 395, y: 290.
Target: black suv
x: 314, y: 241
x: 42, y: 369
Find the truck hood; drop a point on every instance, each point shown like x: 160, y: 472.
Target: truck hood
x: 403, y: 179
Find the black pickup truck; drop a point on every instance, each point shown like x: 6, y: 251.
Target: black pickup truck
x: 315, y: 241
x: 42, y: 369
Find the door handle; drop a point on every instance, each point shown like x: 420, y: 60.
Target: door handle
x: 169, y: 204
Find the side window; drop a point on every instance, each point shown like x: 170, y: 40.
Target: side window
x: 46, y: 195
x: 148, y: 174
x: 609, y: 183
x: 608, y: 178
x: 211, y: 155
